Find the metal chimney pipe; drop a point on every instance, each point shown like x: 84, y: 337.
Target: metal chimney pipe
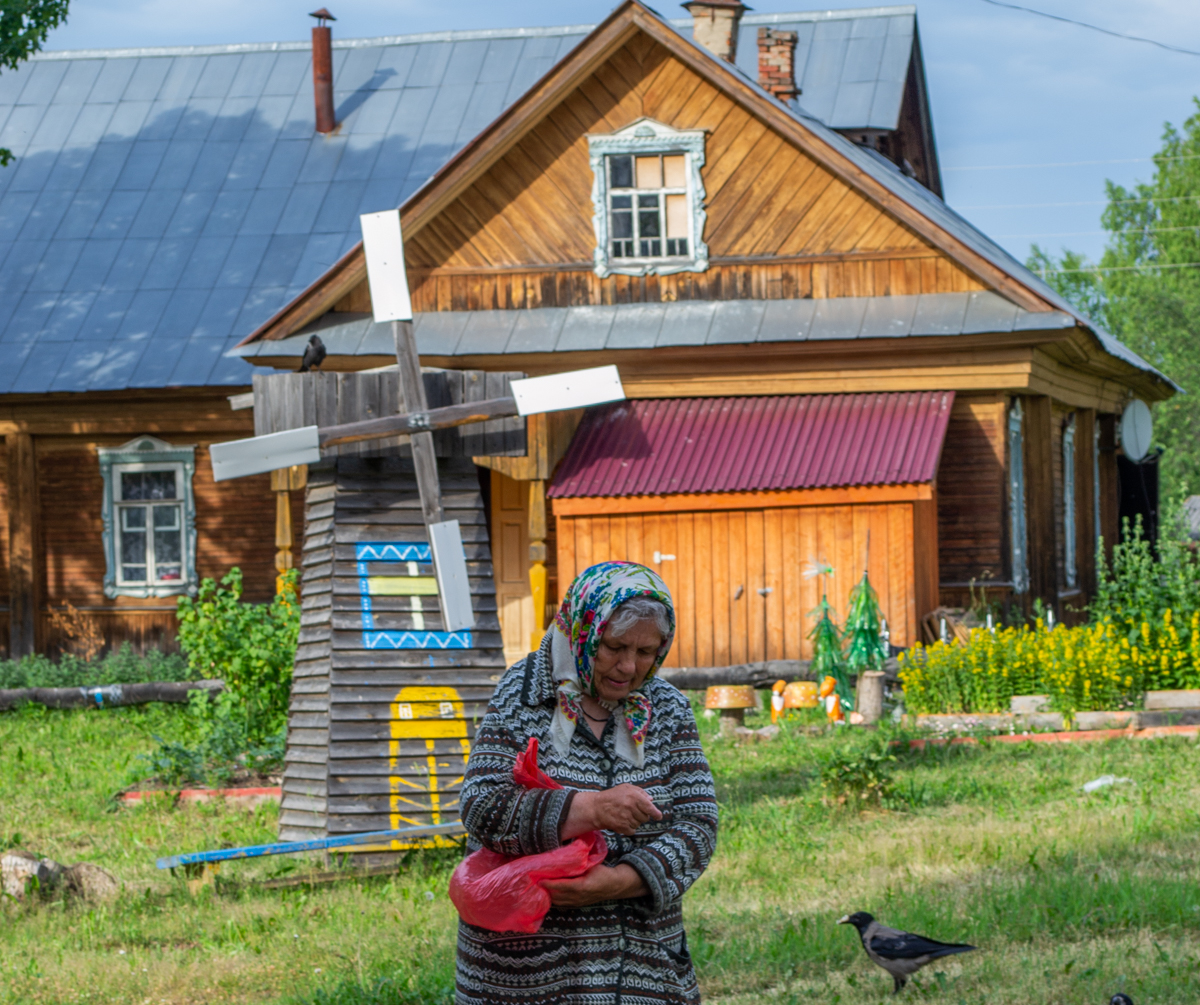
x: 322, y: 60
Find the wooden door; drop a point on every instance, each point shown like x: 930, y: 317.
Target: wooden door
x: 510, y: 555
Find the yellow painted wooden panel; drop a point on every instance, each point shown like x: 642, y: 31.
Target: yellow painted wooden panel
x: 402, y: 586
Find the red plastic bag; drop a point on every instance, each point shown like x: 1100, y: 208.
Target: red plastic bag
x: 504, y: 894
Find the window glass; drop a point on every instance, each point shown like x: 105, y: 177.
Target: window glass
x: 150, y: 529
x: 148, y: 485
x: 638, y: 231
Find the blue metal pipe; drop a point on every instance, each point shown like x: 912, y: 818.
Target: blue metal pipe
x: 317, y: 844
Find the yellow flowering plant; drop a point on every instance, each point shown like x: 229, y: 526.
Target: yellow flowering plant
x: 1088, y: 668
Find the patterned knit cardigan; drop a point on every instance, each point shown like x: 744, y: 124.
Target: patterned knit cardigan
x: 634, y: 951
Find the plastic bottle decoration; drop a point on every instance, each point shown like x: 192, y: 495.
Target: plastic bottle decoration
x: 828, y: 660
x: 777, y: 701
x: 832, y: 701
x: 865, y: 648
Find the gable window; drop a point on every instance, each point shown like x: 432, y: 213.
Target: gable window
x: 1016, y: 499
x: 149, y: 519
x: 648, y: 206
x: 648, y: 200
x: 1068, y: 459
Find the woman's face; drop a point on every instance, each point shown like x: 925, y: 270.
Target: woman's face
x: 622, y: 662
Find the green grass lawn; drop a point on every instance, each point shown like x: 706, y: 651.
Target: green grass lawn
x: 1069, y: 896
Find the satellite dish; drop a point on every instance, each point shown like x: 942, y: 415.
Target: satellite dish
x: 1136, y: 428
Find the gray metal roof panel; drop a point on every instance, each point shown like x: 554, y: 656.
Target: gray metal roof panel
x: 586, y: 328
x: 940, y: 314
x: 786, y: 320
x: 838, y: 319
x: 888, y: 317
x: 537, y: 331
x: 988, y: 312
x: 736, y: 321
x: 636, y: 327
x: 687, y: 323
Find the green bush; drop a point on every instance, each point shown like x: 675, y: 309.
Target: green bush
x: 858, y: 774
x: 249, y: 646
x: 121, y: 666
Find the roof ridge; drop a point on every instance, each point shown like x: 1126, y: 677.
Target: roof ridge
x: 343, y: 43
x: 457, y: 35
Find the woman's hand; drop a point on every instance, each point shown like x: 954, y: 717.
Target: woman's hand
x: 623, y: 809
x: 599, y: 883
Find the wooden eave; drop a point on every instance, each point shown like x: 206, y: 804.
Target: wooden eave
x: 496, y: 140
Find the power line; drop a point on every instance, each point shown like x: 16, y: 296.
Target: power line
x: 1095, y: 202
x: 1094, y: 27
x: 1063, y: 164
x: 1115, y: 233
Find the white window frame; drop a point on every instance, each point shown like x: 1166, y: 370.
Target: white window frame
x: 646, y: 137
x: 1096, y: 533
x: 1070, y: 563
x: 148, y: 453
x: 1019, y: 546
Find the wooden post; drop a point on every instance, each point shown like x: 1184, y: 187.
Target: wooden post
x: 1110, y: 523
x: 537, y: 559
x: 22, y: 546
x: 1085, y: 499
x: 412, y: 390
x: 282, y: 482
x: 1039, y: 505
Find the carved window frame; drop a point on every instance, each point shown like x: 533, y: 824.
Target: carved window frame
x: 148, y: 453
x: 645, y: 136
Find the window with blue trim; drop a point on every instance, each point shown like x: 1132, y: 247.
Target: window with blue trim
x: 149, y: 517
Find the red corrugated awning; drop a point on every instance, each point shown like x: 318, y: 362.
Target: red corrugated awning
x: 672, y: 445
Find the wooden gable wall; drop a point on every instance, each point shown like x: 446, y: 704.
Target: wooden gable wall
x: 779, y: 225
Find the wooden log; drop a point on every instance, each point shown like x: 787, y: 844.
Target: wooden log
x: 412, y: 388
x: 176, y: 692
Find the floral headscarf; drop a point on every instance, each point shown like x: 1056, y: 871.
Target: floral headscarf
x: 586, y: 610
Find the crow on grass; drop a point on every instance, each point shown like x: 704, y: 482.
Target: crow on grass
x: 901, y: 954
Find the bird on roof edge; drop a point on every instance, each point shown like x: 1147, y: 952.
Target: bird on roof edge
x: 901, y: 954
x: 314, y: 355
x: 1120, y: 999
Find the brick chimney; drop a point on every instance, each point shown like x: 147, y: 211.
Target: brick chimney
x: 715, y: 25
x: 322, y: 59
x: 777, y: 62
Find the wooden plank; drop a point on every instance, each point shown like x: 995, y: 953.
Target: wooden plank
x: 702, y: 575
x: 722, y: 592
x: 698, y: 502
x: 424, y: 659
x: 773, y: 576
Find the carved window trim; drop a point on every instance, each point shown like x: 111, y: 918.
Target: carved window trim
x: 148, y: 453
x: 1019, y: 548
x: 645, y: 136
x: 1070, y: 563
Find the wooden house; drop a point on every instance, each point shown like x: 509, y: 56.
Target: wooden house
x: 759, y: 221
x: 826, y: 364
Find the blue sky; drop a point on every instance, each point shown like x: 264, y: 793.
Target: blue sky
x: 1007, y: 88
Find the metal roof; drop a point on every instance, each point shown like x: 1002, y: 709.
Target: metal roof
x: 851, y: 65
x: 167, y: 201
x: 681, y: 445
x: 680, y: 322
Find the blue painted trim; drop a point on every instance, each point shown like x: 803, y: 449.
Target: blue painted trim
x: 394, y: 551
x: 317, y: 844
x: 417, y: 640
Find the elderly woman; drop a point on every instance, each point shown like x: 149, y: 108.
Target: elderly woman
x: 625, y: 747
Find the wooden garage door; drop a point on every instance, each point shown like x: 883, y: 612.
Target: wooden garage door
x: 737, y: 576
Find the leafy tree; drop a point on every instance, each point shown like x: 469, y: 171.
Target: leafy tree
x: 1147, y: 291
x: 24, y: 26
